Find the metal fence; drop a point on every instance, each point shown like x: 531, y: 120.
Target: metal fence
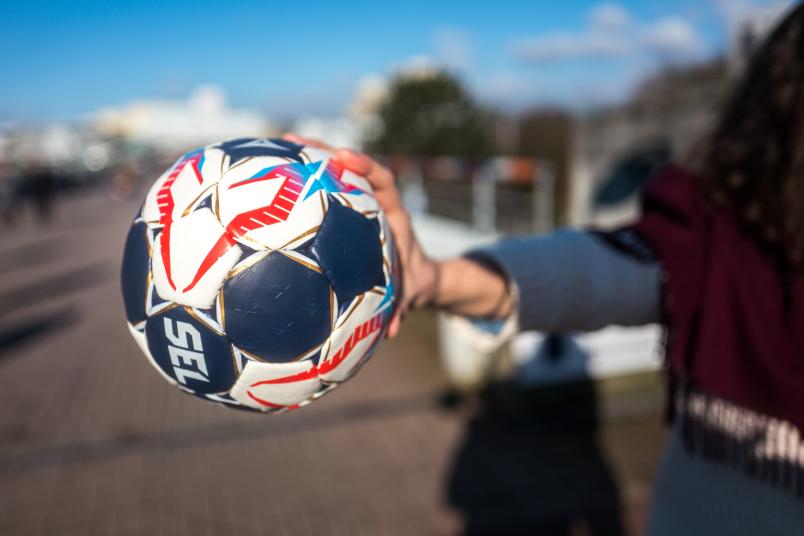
x: 505, y: 195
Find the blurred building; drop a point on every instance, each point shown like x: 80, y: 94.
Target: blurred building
x: 174, y: 126
x: 55, y: 144
x: 616, y: 148
x: 75, y: 151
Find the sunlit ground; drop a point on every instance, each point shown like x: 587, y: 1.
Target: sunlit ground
x: 93, y: 441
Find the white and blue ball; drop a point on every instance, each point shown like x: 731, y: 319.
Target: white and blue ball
x: 259, y: 274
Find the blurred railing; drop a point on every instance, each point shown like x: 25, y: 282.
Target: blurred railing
x: 499, y: 195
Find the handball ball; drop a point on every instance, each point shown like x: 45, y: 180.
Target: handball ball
x: 259, y: 274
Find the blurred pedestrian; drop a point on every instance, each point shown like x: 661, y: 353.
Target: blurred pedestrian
x: 717, y: 257
x: 122, y: 183
x: 9, y: 193
x: 42, y: 187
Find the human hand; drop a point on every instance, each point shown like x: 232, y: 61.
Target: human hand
x: 420, y: 274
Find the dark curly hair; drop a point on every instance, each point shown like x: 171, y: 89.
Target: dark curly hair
x: 753, y: 159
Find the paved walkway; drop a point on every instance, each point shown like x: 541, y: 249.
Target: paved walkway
x: 92, y: 441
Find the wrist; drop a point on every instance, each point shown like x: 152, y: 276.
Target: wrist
x: 428, y: 275
x: 466, y: 287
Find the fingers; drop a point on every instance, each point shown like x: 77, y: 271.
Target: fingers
x: 393, y: 328
x: 354, y: 161
x: 351, y: 159
x: 380, y: 177
x: 385, y: 192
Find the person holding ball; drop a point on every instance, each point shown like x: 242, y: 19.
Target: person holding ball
x: 717, y: 257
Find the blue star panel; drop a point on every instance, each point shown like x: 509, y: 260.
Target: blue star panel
x: 349, y: 251
x: 134, y: 274
x: 278, y: 309
x: 250, y: 147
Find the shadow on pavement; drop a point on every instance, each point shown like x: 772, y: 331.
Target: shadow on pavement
x: 33, y: 254
x: 529, y: 463
x: 46, y: 289
x: 35, y: 328
x: 259, y: 426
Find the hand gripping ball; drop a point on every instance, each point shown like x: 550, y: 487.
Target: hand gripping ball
x: 259, y: 274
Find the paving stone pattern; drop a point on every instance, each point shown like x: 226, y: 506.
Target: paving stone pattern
x: 94, y: 442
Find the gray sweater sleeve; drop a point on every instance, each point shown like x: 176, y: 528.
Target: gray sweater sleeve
x: 573, y: 281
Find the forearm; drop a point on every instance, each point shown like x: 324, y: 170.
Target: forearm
x: 567, y: 281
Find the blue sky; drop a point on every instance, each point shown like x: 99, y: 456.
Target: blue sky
x: 62, y: 60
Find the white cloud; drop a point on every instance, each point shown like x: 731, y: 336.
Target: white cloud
x: 672, y: 36
x: 609, y: 17
x: 564, y: 46
x: 453, y: 48
x: 611, y: 33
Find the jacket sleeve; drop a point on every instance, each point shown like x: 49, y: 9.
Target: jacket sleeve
x: 577, y: 280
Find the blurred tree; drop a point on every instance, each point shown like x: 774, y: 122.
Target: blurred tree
x: 431, y: 114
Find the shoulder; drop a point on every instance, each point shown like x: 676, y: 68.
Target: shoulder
x: 674, y: 192
x: 673, y: 211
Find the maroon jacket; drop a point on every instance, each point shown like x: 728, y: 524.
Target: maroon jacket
x: 733, y: 336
